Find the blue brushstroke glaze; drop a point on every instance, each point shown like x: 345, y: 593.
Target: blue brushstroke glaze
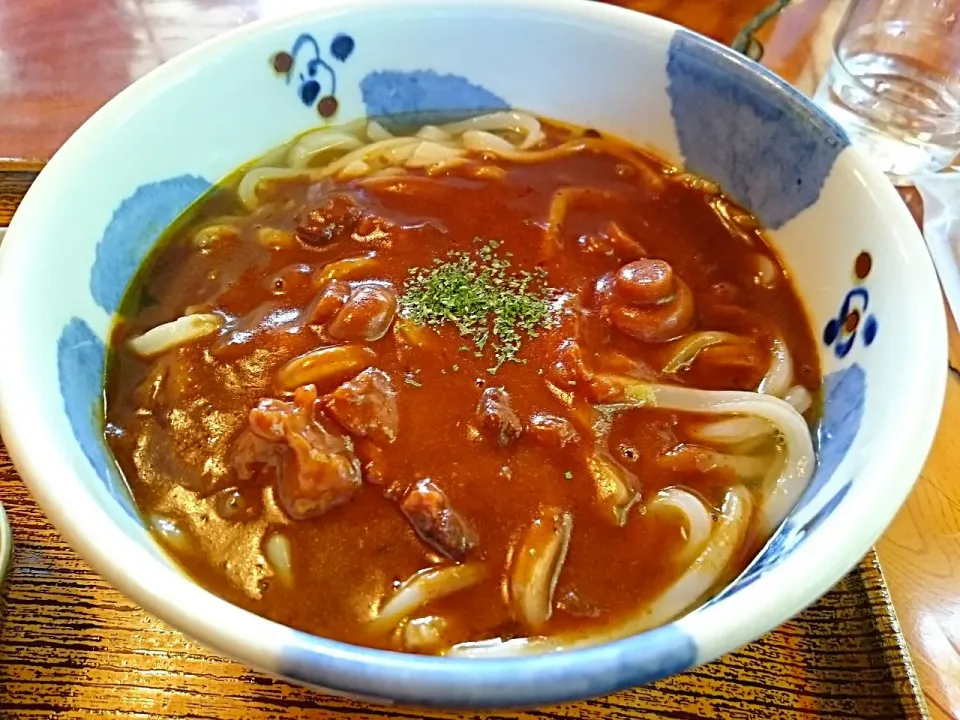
x: 835, y: 333
x: 449, y: 683
x: 425, y: 96
x: 80, y: 361
x: 134, y: 228
x: 844, y: 393
x: 316, y: 80
x: 307, y: 64
x: 309, y: 91
x: 743, y: 127
x: 342, y: 46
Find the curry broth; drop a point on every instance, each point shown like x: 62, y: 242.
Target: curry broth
x: 179, y: 459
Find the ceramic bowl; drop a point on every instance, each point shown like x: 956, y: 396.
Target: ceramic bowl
x: 845, y: 236
x: 6, y: 545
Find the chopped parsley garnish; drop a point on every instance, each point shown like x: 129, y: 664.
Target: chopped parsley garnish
x: 488, y: 304
x: 568, y: 475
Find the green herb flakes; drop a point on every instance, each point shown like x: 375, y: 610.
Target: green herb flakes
x: 488, y: 304
x: 568, y: 475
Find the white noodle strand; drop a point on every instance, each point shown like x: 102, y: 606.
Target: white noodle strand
x: 483, y: 141
x: 799, y: 459
x: 733, y: 431
x: 688, y: 348
x: 369, y: 152
x: 696, y: 516
x: 279, y: 553
x: 315, y: 144
x: 423, y: 634
x: 432, y: 132
x: 247, y: 189
x: 358, y: 168
x: 425, y: 587
x: 537, y: 565
x: 799, y: 397
x: 705, y: 571
x: 507, y: 120
x: 499, y: 648
x: 174, y: 334
x: 780, y: 374
x: 171, y: 533
x: 429, y: 153
x: 377, y: 132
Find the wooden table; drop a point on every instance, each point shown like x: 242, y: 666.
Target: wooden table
x: 59, y: 60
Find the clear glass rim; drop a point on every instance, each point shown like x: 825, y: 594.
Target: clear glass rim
x: 843, y: 32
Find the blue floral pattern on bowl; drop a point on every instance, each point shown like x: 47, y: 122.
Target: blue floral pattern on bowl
x: 840, y: 332
x: 316, y: 79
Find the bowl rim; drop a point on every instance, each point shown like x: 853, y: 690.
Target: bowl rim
x: 102, y: 539
x: 6, y: 545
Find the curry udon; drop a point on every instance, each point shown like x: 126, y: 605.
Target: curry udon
x: 489, y: 387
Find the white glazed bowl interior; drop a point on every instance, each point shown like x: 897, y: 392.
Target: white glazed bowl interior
x: 96, y: 209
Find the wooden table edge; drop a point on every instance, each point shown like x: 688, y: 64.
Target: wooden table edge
x: 16, y: 177
x: 870, y: 570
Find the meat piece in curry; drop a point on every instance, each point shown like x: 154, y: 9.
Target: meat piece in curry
x: 436, y: 522
x: 314, y: 467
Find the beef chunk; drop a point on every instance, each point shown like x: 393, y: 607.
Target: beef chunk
x: 552, y: 430
x: 366, y: 406
x: 436, y: 523
x: 316, y: 468
x: 497, y: 417
x: 332, y: 221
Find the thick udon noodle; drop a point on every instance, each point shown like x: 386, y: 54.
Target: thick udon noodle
x: 761, y: 436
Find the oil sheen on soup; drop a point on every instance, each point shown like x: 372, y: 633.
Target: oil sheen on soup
x: 491, y: 387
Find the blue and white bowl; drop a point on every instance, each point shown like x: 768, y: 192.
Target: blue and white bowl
x: 847, y: 239
x: 6, y: 545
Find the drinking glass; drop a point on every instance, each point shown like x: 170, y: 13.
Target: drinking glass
x: 894, y: 83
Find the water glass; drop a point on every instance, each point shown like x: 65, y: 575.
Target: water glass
x: 894, y: 83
